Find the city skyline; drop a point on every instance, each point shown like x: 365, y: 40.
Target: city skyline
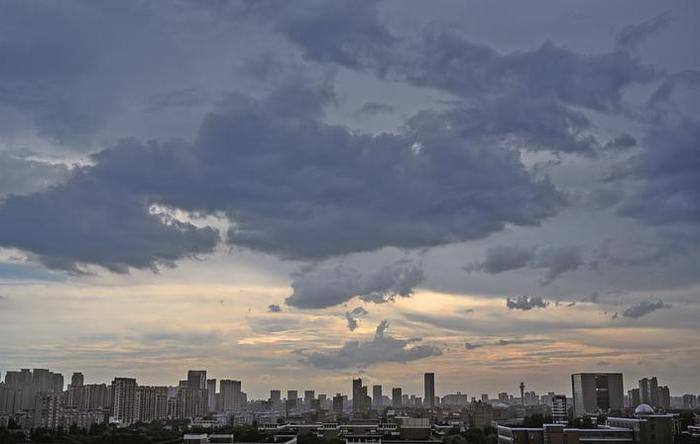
x: 325, y: 191
x: 383, y: 388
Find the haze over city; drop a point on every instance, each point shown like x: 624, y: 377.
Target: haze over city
x: 296, y: 194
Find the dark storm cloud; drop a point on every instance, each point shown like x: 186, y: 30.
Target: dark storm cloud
x: 443, y: 58
x: 87, y: 220
x: 21, y: 175
x: 555, y: 260
x: 292, y: 186
x: 644, y: 308
x: 380, y: 349
x: 320, y: 287
x: 59, y: 61
x: 526, y: 303
x: 666, y: 170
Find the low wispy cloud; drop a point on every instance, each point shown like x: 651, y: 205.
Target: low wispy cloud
x: 554, y: 260
x: 526, y: 303
x: 504, y: 342
x: 381, y: 348
x: 374, y: 108
x: 644, y: 308
x: 352, y: 315
x: 320, y: 287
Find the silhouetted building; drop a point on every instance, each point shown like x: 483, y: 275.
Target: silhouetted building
x: 211, y: 394
x: 197, y: 379
x: 396, y: 397
x: 231, y: 395
x: 690, y: 401
x: 377, y: 396
x: 309, y: 395
x: 77, y: 380
x: 649, y: 391
x: 633, y: 397
x: 358, y: 398
x: 429, y: 390
x: 276, y: 399
x: 664, y: 397
x: 596, y: 393
x: 338, y: 404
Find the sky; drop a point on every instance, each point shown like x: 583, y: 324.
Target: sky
x: 297, y: 193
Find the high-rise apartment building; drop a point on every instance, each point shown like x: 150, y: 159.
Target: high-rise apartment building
x: 664, y: 397
x: 649, y: 391
x: 151, y: 403
x: 396, y: 397
x: 77, y: 380
x: 559, y: 409
x: 338, y: 404
x: 633, y: 397
x: 429, y: 390
x: 690, y: 401
x: 211, y: 394
x: 377, y: 396
x: 357, y: 396
x: 48, y: 410
x: 309, y: 395
x: 276, y: 399
x: 596, y: 393
x: 124, y: 400
x: 197, y: 379
x: 231, y: 396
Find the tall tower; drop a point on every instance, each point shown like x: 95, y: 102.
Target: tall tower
x: 377, y: 396
x: 396, y: 397
x: 522, y: 393
x: 357, y: 397
x: 429, y: 390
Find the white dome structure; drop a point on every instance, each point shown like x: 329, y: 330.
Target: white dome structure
x: 644, y: 409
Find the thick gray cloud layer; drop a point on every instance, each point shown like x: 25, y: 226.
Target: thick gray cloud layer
x: 325, y: 287
x: 292, y: 186
x: 22, y: 175
x: 381, y: 348
x: 295, y: 186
